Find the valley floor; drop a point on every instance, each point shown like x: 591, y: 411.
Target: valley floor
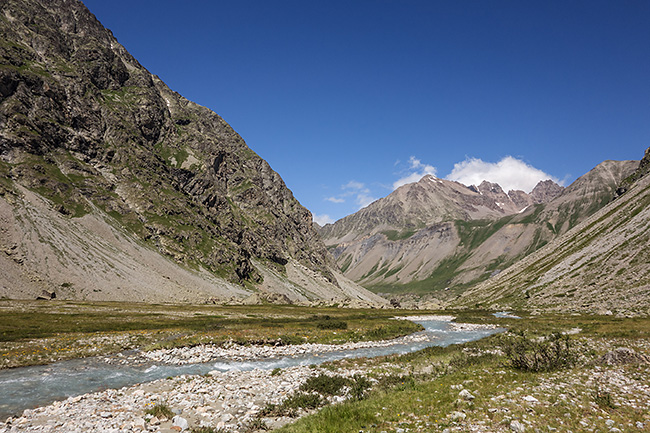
x: 473, y: 387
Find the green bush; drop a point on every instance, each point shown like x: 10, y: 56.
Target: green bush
x: 302, y: 400
x: 332, y: 324
x: 359, y: 387
x: 550, y: 353
x: 289, y: 340
x: 291, y: 405
x: 325, y: 385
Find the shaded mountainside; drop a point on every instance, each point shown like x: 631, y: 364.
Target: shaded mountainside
x: 600, y: 264
x: 86, y: 127
x: 470, y: 234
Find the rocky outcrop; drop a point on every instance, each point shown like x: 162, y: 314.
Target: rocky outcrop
x: 623, y: 356
x: 545, y: 191
x: 642, y: 170
x: 85, y: 126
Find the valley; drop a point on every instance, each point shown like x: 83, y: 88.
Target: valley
x: 478, y: 386
x: 157, y: 274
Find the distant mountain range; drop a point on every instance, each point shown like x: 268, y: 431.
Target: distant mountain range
x: 114, y: 187
x: 601, y: 265
x: 438, y: 238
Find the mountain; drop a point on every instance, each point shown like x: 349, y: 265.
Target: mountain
x: 599, y: 265
x: 440, y: 237
x: 112, y: 186
x: 417, y: 205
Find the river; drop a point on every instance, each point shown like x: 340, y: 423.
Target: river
x: 30, y: 387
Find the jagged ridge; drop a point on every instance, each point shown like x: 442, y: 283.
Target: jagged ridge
x: 83, y: 124
x: 459, y: 235
x: 600, y: 265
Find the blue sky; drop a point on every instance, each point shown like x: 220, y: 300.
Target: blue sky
x: 348, y: 99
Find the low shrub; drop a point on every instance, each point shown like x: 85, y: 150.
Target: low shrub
x: 359, y: 386
x: 291, y: 340
x: 332, y: 324
x: 396, y: 381
x: 325, y: 385
x: 303, y: 400
x: 553, y: 352
x: 290, y: 407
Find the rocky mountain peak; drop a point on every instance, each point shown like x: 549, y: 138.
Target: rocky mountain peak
x: 545, y: 191
x: 87, y: 129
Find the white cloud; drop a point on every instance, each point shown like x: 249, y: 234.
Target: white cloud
x: 417, y: 170
x: 511, y: 173
x: 323, y: 219
x: 358, y: 191
x: 353, y: 184
x: 363, y: 199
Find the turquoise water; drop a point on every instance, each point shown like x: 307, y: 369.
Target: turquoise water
x: 30, y: 387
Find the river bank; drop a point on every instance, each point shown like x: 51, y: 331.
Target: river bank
x: 41, y: 333
x: 206, y: 398
x: 228, y: 400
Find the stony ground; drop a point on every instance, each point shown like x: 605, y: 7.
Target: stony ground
x: 228, y: 400
x: 446, y: 395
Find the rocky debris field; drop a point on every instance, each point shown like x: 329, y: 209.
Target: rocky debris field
x: 230, y: 400
x: 237, y: 352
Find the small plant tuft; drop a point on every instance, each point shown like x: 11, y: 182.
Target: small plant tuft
x: 255, y: 425
x: 160, y: 411
x: 604, y: 399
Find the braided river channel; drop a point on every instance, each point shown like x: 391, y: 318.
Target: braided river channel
x: 29, y: 387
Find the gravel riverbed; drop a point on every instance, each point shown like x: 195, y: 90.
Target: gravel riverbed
x: 231, y: 400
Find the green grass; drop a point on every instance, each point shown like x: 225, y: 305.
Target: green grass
x: 439, y: 279
x: 160, y: 411
x: 34, y: 332
x: 394, y: 235
x: 424, y: 390
x: 473, y: 233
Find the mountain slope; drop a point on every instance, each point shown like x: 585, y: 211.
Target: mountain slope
x: 418, y: 205
x: 85, y: 126
x: 600, y: 264
x: 458, y: 236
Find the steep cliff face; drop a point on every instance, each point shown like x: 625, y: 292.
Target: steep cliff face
x: 600, y: 264
x: 439, y: 237
x: 85, y: 126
